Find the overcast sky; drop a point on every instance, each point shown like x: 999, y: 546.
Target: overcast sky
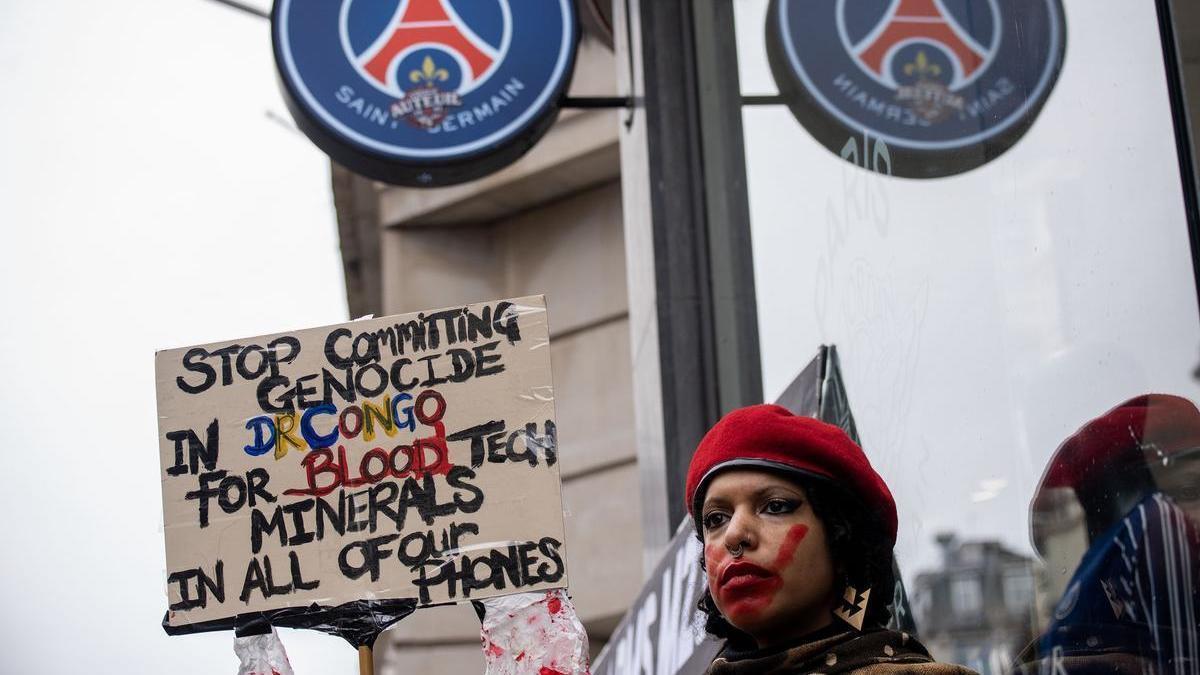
x: 147, y: 201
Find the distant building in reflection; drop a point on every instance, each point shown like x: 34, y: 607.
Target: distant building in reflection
x: 977, y: 609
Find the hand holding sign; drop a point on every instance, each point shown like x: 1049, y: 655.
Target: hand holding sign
x: 410, y: 458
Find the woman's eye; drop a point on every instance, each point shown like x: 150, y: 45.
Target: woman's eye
x: 714, y: 520
x: 780, y: 506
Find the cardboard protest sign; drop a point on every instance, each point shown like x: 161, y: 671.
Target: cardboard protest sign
x: 406, y: 457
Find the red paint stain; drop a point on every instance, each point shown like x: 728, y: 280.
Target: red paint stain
x: 494, y: 650
x: 750, y: 598
x: 738, y: 599
x: 714, y: 557
x: 554, y: 605
x: 794, y: 536
x: 520, y: 656
x: 549, y: 671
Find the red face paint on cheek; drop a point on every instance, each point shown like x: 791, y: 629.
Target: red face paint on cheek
x: 750, y: 598
x: 791, y: 541
x: 714, y: 556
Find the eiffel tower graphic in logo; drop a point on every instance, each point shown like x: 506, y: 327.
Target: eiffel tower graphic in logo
x: 929, y: 87
x: 423, y: 23
x: 431, y: 26
x: 919, y: 20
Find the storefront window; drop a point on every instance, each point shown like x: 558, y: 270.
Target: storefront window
x: 980, y: 204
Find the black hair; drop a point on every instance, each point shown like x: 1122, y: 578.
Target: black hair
x: 860, y: 550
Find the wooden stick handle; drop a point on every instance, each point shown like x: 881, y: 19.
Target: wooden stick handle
x: 366, y: 662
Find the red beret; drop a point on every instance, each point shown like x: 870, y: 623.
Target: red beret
x: 771, y: 437
x: 1141, y: 430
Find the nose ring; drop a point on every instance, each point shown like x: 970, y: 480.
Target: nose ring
x: 737, y: 551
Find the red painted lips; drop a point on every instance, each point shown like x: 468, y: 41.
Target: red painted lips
x: 745, y: 589
x: 741, y: 571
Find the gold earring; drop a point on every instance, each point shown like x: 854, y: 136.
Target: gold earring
x: 853, y: 607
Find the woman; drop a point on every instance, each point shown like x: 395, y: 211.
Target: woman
x: 798, y: 531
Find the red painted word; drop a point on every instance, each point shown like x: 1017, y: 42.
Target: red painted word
x: 426, y: 456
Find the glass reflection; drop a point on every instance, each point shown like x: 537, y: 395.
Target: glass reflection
x: 1116, y: 504
x: 982, y: 318
x: 1108, y: 496
x: 976, y: 608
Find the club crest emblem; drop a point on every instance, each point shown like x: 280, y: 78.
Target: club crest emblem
x: 424, y: 92
x: 948, y: 85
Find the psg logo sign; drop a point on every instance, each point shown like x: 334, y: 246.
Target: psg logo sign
x: 424, y: 92
x: 948, y: 85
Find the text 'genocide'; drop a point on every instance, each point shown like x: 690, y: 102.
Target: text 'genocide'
x: 362, y: 365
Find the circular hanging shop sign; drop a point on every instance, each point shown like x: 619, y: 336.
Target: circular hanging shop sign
x: 424, y: 92
x: 948, y: 85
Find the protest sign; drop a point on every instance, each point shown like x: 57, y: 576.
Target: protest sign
x: 408, y: 457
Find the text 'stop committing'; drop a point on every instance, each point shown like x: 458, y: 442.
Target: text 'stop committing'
x: 411, y: 456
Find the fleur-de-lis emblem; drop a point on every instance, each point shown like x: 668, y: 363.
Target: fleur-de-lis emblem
x: 429, y: 73
x: 922, y: 67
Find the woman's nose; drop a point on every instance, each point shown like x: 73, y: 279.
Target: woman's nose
x: 740, y: 534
